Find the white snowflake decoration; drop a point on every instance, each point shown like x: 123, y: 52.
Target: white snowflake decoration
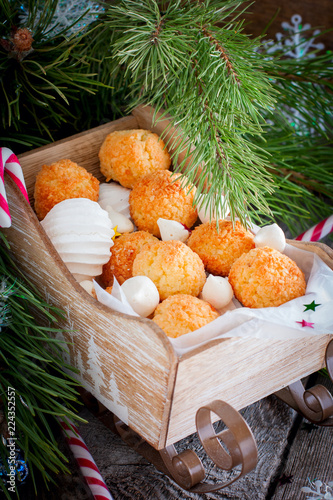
x: 299, y: 46
x: 66, y: 13
x: 319, y: 490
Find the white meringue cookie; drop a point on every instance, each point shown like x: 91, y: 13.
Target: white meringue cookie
x: 172, y: 230
x: 123, y: 223
x: 204, y: 212
x: 270, y: 236
x: 81, y: 232
x: 217, y: 291
x: 114, y: 195
x: 142, y: 294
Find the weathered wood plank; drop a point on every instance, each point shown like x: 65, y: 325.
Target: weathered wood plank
x: 309, y: 457
x: 129, y: 476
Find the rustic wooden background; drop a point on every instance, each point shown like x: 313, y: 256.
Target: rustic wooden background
x: 291, y: 452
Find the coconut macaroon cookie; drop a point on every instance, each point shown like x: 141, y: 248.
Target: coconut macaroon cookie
x: 264, y: 277
x: 218, y: 249
x: 60, y: 181
x: 123, y: 253
x: 181, y: 313
x: 128, y: 155
x: 172, y: 266
x: 161, y: 195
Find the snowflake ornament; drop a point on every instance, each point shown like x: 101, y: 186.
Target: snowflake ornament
x: 319, y: 490
x: 298, y: 45
x: 69, y: 15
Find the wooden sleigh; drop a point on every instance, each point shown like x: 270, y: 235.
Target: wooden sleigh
x: 131, y: 374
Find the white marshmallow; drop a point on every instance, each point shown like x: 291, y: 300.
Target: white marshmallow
x: 270, y: 236
x: 217, y: 291
x: 123, y: 223
x: 172, y: 230
x: 204, y: 211
x: 142, y: 294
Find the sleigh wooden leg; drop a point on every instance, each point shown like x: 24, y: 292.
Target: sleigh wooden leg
x: 315, y: 404
x: 186, y: 468
x: 233, y: 447
x: 238, y: 448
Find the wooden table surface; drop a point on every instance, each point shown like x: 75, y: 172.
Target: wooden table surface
x: 291, y: 452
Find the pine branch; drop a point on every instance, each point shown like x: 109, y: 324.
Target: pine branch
x: 39, y: 85
x: 189, y: 59
x: 31, y: 364
x: 210, y: 80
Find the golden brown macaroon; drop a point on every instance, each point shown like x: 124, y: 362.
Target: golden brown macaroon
x: 265, y: 277
x: 172, y: 266
x: 218, y: 249
x: 128, y: 155
x: 181, y: 313
x: 62, y: 180
x: 160, y: 195
x: 123, y: 253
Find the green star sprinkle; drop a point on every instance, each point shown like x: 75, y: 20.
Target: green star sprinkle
x: 311, y: 306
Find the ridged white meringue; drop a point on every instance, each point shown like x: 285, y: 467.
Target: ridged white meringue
x: 116, y: 196
x: 270, y: 236
x: 142, y: 294
x: 217, y: 291
x: 81, y: 231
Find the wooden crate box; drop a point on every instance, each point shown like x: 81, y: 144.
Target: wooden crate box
x: 128, y: 363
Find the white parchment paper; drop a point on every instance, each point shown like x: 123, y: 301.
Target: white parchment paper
x: 270, y: 322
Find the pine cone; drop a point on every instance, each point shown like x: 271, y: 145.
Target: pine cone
x: 22, y: 39
x: 19, y: 44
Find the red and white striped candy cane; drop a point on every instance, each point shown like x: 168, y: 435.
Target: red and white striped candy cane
x: 86, y: 462
x: 318, y: 231
x: 10, y: 164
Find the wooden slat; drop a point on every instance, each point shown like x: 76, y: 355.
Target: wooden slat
x: 239, y: 371
x: 310, y: 456
x: 323, y: 251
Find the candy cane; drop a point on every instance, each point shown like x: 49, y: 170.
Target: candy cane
x: 10, y: 164
x: 85, y: 461
x: 319, y: 231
